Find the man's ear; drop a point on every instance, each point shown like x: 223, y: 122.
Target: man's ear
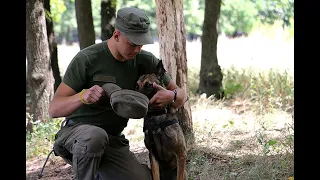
x: 160, y: 69
x: 116, y: 35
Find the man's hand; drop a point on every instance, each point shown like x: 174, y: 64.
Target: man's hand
x: 93, y: 94
x: 162, y: 97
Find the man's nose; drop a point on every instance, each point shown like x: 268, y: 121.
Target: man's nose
x: 137, y: 49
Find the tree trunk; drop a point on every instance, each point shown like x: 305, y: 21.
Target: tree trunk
x: 172, y: 41
x: 108, y: 15
x: 52, y: 47
x: 210, y: 71
x: 40, y: 77
x: 85, y: 23
x: 69, y: 36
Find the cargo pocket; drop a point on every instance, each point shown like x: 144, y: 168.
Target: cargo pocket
x: 78, y: 148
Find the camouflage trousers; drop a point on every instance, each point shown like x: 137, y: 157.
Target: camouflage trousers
x: 94, y: 154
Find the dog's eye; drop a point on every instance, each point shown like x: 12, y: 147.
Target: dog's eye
x: 148, y: 85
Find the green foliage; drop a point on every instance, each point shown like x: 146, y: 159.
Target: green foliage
x: 57, y: 8
x: 193, y: 16
x: 267, y: 144
x: 237, y: 15
x: 272, y: 89
x: 272, y: 10
x: 68, y: 22
x: 230, y: 123
x: 96, y: 14
x: 235, y: 81
x: 47, y: 15
x: 40, y: 141
x: 270, y: 145
x: 231, y: 89
x: 291, y: 29
x: 232, y: 83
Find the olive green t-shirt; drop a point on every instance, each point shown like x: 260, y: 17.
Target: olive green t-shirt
x: 95, y: 65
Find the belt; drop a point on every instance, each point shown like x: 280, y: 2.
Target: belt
x: 69, y: 122
x: 66, y: 122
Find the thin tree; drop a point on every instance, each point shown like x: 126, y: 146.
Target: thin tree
x: 210, y: 71
x: 40, y: 77
x: 52, y: 45
x: 108, y: 15
x: 86, y: 32
x: 172, y: 41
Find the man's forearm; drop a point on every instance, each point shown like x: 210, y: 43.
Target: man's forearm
x: 61, y: 106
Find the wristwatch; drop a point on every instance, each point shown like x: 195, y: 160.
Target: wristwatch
x: 175, y: 96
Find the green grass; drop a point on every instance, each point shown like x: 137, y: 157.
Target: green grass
x: 247, y: 135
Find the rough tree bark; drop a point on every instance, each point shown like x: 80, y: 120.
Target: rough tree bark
x: 52, y: 47
x: 85, y: 23
x: 108, y: 15
x: 210, y: 71
x: 40, y: 77
x: 172, y: 41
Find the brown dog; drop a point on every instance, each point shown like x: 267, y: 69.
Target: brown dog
x: 163, y: 135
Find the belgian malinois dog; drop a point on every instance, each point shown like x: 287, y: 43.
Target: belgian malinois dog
x: 163, y: 135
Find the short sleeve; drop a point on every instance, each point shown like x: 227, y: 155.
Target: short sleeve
x: 75, y: 75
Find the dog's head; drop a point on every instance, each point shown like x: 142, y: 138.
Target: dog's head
x: 144, y: 83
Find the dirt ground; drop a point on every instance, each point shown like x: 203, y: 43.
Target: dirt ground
x: 57, y: 169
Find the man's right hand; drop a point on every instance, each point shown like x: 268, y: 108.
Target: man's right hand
x: 66, y: 100
x: 93, y: 94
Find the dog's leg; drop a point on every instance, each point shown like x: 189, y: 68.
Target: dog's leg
x: 154, y: 167
x: 181, y: 165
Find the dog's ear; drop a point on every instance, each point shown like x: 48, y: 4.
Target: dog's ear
x: 160, y: 69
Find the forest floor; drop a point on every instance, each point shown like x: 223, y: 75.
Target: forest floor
x: 58, y: 169
x: 223, y: 150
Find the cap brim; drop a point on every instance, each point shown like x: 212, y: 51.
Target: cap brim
x: 141, y: 39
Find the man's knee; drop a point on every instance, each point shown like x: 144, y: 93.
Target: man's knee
x: 92, y: 143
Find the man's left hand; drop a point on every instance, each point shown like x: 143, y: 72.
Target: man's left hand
x: 162, y: 97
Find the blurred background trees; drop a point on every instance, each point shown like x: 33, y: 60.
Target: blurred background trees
x: 235, y: 19
x: 236, y: 16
